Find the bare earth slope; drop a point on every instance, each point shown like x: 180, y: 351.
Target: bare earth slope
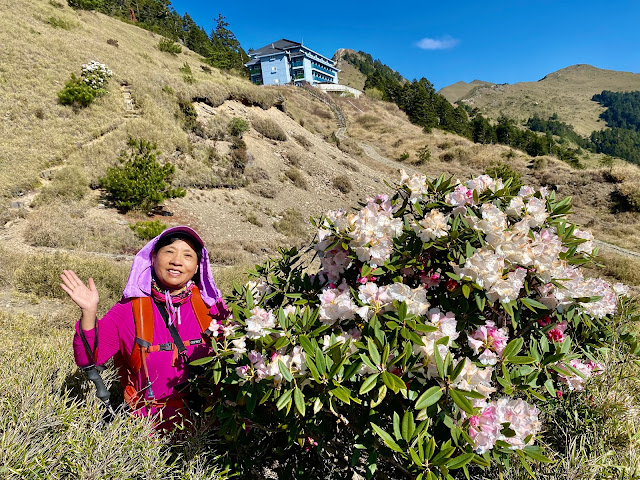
x: 566, y: 92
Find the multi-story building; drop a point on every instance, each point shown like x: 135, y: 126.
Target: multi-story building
x: 285, y: 62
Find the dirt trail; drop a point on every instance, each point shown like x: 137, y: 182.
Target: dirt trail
x: 619, y: 250
x: 13, y: 232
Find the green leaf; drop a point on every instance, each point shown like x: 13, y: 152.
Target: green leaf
x: 414, y: 457
x: 382, y: 392
x: 462, y: 401
x: 341, y: 393
x: 535, y: 452
x: 373, y: 352
x: 466, y: 290
x: 284, y: 399
x: 519, y: 360
x: 298, y: 399
x: 286, y: 374
x: 320, y: 362
x: 532, y: 304
x: 460, y: 461
x: 351, y: 370
x: 201, y: 361
x: 369, y: 384
x: 408, y: 426
x: 513, y: 347
x: 388, y: 439
x: 428, y: 398
x: 396, y: 426
x: 306, y: 345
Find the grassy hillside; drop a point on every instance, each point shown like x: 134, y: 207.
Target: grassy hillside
x: 299, y: 162
x: 348, y: 75
x: 566, y: 92
x: 460, y: 89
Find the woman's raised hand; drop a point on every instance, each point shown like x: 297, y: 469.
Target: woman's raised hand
x: 85, y: 297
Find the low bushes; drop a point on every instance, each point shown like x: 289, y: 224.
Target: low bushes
x: 269, y: 129
x: 80, y: 92
x: 169, y: 46
x: 342, y: 183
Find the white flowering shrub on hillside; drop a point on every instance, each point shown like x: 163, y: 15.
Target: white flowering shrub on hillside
x: 441, y: 321
x: 80, y: 92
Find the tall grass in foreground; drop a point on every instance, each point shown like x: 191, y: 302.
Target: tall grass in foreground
x: 50, y: 419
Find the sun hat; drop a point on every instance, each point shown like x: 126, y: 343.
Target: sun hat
x: 139, y: 281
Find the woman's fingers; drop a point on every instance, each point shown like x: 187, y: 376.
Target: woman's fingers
x: 92, y: 285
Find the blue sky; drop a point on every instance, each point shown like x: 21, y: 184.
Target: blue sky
x: 500, y: 41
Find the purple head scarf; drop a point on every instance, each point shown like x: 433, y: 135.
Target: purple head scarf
x: 139, y: 282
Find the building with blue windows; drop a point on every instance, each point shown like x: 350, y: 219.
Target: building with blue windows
x: 284, y: 61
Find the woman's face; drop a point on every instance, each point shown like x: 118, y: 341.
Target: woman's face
x: 175, y: 264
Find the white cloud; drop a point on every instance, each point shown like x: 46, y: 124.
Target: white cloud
x: 442, y: 43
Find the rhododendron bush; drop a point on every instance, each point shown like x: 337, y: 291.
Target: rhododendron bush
x: 436, y: 325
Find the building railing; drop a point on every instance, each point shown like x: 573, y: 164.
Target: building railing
x: 297, y: 64
x: 322, y: 69
x: 322, y: 79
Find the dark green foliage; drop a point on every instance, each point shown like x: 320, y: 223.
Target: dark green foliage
x: 169, y: 46
x: 423, y: 154
x: 623, y: 109
x: 221, y: 49
x: 148, y: 230
x: 557, y: 128
x: 403, y: 156
x: 237, y: 126
x: 505, y: 172
x: 190, y: 116
x: 618, y: 142
x: 77, y: 93
x: 140, y: 182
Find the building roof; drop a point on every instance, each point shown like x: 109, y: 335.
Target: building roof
x: 275, y: 47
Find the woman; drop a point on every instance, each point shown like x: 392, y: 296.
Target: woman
x: 169, y: 310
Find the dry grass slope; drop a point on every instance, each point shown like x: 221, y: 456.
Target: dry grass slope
x: 566, y: 92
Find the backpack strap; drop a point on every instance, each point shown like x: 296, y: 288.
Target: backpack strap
x: 143, y: 315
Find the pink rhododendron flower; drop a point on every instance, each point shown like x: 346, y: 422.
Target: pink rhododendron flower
x: 489, y: 342
x: 586, y: 369
x: 336, y: 304
x: 430, y: 279
x: 556, y: 334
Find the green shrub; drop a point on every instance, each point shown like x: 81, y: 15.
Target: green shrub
x: 269, y: 129
x: 403, y: 156
x: 148, y: 230
x: 296, y: 177
x: 190, y: 116
x: 540, y: 163
x: 169, y: 46
x: 77, y: 93
x: 140, y: 183
x: 80, y: 92
x: 505, y: 172
x: 237, y: 126
x: 423, y: 154
x: 438, y: 370
x: 292, y: 224
x: 56, y: 22
x: 342, y: 183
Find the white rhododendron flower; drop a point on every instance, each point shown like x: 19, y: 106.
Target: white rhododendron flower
x: 474, y: 379
x: 484, y: 268
x: 433, y: 225
x: 259, y: 322
x: 587, y: 246
x: 417, y: 185
x: 336, y: 304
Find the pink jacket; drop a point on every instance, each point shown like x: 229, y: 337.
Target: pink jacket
x: 116, y: 333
